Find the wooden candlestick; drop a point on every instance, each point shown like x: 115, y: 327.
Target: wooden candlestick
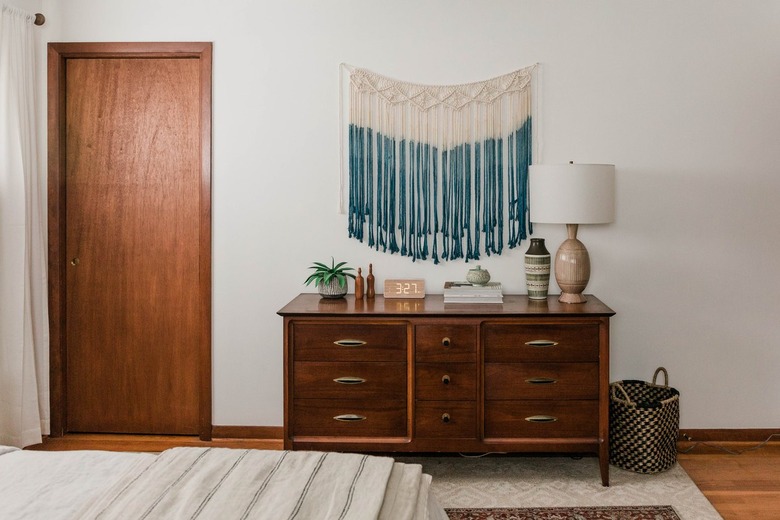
x: 359, y: 285
x: 370, y: 282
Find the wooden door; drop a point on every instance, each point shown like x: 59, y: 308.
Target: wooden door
x: 132, y: 249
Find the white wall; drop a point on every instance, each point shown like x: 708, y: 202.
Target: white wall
x: 681, y: 96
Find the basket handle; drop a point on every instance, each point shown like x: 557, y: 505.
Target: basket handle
x: 618, y: 385
x: 666, y: 376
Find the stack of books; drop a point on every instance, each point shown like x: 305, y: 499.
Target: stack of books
x: 465, y: 292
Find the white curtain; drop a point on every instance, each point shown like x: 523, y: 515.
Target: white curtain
x: 24, y: 337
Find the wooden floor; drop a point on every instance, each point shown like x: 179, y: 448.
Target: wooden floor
x: 745, y: 486
x: 741, y: 487
x: 150, y: 443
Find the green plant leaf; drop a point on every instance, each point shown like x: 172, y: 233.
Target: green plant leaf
x: 324, y: 273
x: 313, y: 277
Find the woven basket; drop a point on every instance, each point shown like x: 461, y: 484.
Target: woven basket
x: 644, y: 423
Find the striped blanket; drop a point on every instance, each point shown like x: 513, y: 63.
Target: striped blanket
x: 221, y: 483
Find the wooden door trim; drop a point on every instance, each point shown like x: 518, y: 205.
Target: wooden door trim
x: 58, y: 54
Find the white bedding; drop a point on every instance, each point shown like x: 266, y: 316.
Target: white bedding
x: 211, y: 483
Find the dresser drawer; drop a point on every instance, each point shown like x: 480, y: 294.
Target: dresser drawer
x: 456, y: 343
x: 541, y: 381
x: 356, y: 418
x: 346, y: 341
x: 545, y: 419
x: 446, y: 419
x: 443, y: 381
x: 509, y: 342
x: 348, y: 380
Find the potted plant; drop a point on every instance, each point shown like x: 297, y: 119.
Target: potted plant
x: 331, y: 281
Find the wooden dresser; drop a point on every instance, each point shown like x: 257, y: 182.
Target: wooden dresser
x: 405, y: 375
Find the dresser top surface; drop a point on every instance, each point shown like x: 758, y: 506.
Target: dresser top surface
x: 433, y: 305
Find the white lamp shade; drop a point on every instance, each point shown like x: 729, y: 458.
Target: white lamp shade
x: 572, y: 193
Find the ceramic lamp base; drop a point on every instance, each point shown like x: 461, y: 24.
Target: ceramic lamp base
x: 572, y: 268
x: 571, y: 298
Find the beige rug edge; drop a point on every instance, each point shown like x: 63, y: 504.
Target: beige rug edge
x: 557, y: 482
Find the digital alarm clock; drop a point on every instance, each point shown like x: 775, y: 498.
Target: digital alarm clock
x: 404, y: 288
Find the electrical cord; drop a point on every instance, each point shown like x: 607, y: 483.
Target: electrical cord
x: 722, y: 448
x: 480, y: 455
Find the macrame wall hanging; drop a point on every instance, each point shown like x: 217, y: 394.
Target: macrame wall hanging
x: 439, y: 172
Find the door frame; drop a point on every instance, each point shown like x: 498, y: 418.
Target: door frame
x: 58, y: 54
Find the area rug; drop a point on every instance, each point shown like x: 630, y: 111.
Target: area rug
x: 567, y: 513
x: 510, y: 481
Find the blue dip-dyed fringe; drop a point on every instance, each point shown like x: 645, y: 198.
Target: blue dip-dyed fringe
x: 421, y: 201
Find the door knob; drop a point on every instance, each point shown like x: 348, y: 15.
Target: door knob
x: 75, y: 261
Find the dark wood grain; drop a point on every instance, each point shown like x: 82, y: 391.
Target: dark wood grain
x: 55, y: 193
x: 479, y: 350
x: 573, y: 419
x: 380, y: 341
x: 446, y: 420
x: 509, y: 342
x: 267, y: 433
x: 382, y: 380
x: 382, y: 418
x: 440, y: 381
x: 433, y: 305
x: 559, y: 381
x: 129, y: 239
x: 239, y: 437
x: 204, y: 53
x: 745, y: 486
x: 445, y: 342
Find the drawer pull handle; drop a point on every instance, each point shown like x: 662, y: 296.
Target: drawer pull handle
x: 446, y: 342
x: 541, y: 381
x: 445, y: 379
x: 349, y: 380
x: 541, y: 418
x: 350, y: 417
x: 541, y: 343
x: 445, y: 418
x: 349, y: 342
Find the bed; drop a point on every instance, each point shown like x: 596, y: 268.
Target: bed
x: 211, y: 483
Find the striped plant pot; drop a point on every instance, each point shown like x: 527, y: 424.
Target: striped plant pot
x: 332, y: 289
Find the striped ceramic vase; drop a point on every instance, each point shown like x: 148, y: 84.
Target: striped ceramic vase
x: 537, y: 269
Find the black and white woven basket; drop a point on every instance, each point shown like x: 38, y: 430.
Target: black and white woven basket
x: 644, y: 423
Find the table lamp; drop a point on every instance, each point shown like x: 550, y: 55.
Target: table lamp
x: 572, y: 194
